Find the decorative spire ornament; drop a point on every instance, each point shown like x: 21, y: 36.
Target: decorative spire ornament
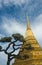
x: 28, y: 22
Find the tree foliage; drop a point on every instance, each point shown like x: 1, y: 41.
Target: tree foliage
x: 18, y: 37
x: 5, y: 39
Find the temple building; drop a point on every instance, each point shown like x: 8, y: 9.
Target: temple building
x: 30, y: 52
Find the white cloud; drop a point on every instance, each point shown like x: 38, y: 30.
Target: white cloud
x: 20, y: 1
x: 3, y: 58
x: 16, y: 2
x: 1, y: 35
x: 37, y: 28
x: 12, y: 26
x: 0, y: 4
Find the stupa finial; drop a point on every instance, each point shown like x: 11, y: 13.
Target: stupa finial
x: 28, y: 22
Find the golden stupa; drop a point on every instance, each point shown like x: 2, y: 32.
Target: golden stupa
x: 30, y: 56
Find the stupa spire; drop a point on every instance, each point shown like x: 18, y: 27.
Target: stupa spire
x: 28, y: 22
x: 30, y: 53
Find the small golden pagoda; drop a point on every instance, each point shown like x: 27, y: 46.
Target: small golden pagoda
x: 31, y: 51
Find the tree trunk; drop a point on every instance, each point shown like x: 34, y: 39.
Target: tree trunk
x: 8, y: 61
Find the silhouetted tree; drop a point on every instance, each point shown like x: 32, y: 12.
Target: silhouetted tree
x: 16, y: 37
x: 11, y: 55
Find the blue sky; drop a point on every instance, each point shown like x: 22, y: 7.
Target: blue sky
x: 13, y: 19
